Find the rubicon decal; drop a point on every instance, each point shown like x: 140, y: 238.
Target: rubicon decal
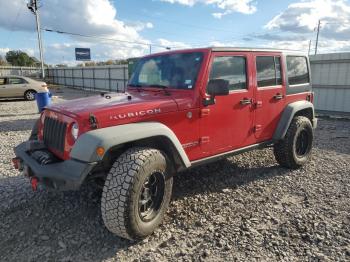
x: 136, y: 114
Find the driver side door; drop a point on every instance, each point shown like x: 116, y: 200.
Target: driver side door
x: 227, y: 124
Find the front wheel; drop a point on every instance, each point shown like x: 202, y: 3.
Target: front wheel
x: 295, y: 149
x: 136, y: 193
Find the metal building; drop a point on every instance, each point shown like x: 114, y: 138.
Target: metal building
x: 331, y: 81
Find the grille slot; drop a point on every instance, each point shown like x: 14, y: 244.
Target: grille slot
x: 54, y: 133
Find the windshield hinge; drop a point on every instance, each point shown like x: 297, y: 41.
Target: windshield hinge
x: 93, y: 121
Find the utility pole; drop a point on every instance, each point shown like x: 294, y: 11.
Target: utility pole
x: 33, y: 7
x: 309, y: 47
x: 150, y: 49
x: 318, y: 32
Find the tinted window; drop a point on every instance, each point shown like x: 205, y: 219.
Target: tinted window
x: 268, y: 71
x: 231, y: 69
x: 2, y: 81
x: 297, y: 70
x: 173, y: 70
x: 16, y: 80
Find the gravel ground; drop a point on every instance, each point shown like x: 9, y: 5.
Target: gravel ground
x: 243, y: 208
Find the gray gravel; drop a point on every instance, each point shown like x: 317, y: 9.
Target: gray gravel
x: 242, y: 208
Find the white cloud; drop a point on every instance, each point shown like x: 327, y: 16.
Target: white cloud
x: 227, y: 6
x: 302, y: 17
x: 183, y: 2
x: 172, y: 44
x: 87, y: 17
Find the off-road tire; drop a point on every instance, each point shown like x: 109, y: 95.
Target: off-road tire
x: 122, y: 189
x: 29, y: 95
x: 285, y: 150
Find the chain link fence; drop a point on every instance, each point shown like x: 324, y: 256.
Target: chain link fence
x: 99, y: 78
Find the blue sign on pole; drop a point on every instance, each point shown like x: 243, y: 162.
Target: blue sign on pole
x: 82, y: 54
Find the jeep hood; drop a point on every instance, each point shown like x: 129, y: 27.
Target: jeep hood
x: 122, y: 107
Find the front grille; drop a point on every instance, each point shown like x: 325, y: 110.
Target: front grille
x: 54, y: 133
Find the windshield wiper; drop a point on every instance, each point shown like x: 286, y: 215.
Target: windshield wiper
x: 162, y: 87
x: 138, y: 86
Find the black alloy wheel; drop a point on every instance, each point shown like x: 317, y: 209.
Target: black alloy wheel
x: 151, y: 196
x: 302, y: 145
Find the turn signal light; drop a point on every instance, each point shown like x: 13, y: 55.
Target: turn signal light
x: 100, y: 151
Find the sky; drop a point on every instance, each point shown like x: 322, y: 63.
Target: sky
x: 121, y: 29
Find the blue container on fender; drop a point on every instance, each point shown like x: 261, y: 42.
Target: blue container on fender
x: 43, y: 99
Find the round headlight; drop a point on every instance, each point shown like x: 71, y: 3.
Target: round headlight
x: 75, y: 131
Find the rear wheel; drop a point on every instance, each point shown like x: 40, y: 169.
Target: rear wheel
x: 295, y: 149
x: 29, y: 95
x: 136, y: 193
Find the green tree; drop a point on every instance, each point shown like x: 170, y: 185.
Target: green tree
x: 19, y: 58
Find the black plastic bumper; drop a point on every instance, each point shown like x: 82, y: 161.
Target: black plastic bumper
x: 64, y: 175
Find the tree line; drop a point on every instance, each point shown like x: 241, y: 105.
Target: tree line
x: 18, y: 58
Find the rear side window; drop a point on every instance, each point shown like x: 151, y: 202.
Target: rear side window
x: 268, y: 70
x: 298, y: 72
x: 15, y: 80
x: 231, y: 69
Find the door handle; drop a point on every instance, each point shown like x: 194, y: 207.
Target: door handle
x: 278, y: 96
x: 246, y: 101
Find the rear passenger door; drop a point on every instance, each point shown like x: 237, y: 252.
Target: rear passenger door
x: 270, y: 94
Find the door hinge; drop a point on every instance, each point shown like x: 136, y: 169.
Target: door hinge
x: 204, y: 139
x: 257, y: 128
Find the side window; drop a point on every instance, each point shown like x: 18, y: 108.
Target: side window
x: 15, y: 80
x: 298, y: 72
x: 268, y: 70
x: 2, y: 81
x: 232, y: 69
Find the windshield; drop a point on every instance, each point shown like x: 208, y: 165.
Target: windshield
x: 171, y: 70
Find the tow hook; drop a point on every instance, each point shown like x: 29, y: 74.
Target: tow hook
x: 16, y: 162
x: 34, y: 183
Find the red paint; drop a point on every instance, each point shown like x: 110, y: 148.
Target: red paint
x: 213, y: 129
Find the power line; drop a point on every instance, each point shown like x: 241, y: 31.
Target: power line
x: 105, y: 38
x: 317, y: 35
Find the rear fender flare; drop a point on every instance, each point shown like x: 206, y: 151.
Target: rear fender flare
x: 287, y: 116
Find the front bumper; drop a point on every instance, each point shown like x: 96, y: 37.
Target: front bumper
x: 63, y: 175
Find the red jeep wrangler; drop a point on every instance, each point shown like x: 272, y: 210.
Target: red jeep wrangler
x: 181, y: 109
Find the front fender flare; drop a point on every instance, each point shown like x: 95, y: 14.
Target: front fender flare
x: 84, y: 148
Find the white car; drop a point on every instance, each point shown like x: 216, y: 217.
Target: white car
x: 21, y: 86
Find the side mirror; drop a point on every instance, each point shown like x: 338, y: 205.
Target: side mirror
x: 218, y: 87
